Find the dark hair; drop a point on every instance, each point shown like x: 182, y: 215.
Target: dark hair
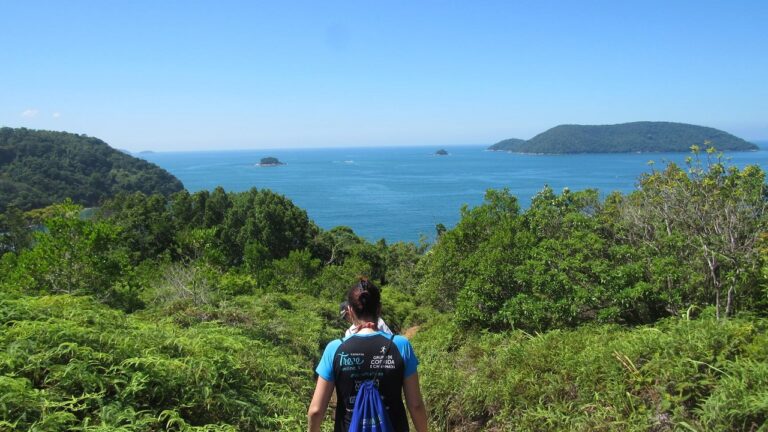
x: 364, y: 298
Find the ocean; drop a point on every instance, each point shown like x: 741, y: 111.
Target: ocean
x: 401, y: 193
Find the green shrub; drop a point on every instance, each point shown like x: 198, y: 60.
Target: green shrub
x: 71, y: 363
x: 704, y: 374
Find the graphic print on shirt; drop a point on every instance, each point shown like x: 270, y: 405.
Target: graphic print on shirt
x: 355, y: 366
x: 374, y: 358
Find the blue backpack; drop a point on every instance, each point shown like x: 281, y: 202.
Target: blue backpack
x: 369, y: 413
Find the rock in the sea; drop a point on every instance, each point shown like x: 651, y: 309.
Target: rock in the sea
x: 270, y: 161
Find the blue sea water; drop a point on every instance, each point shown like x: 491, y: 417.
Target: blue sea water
x: 401, y: 193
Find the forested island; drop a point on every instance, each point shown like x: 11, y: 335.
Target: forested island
x: 208, y: 311
x: 39, y: 168
x: 624, y: 138
x: 270, y: 162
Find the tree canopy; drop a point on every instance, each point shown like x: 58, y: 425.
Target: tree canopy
x: 39, y: 168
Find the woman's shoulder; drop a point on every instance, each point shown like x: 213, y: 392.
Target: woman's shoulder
x: 401, y: 339
x: 333, y: 345
x: 402, y: 343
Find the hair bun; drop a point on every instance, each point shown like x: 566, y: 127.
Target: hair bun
x: 364, y: 298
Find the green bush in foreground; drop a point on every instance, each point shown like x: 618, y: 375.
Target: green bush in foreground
x: 700, y: 375
x: 69, y: 363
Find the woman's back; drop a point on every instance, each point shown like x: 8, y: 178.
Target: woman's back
x: 369, y: 355
x: 384, y: 359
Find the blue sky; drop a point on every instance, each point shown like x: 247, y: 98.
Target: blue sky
x: 193, y: 75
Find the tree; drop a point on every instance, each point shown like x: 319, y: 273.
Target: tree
x: 446, y: 267
x: 333, y: 246
x: 713, y: 210
x: 266, y: 218
x: 216, y: 207
x: 75, y: 256
x: 145, y: 223
x: 15, y: 231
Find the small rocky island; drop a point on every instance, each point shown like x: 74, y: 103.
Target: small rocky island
x: 270, y: 162
x: 441, y: 152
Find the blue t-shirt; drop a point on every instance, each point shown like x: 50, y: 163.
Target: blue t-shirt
x: 377, y: 357
x: 325, y: 368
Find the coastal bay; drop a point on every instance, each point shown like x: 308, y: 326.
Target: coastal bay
x: 400, y: 193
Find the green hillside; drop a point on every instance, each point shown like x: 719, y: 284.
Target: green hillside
x: 510, y: 144
x: 625, y: 138
x: 208, y: 311
x: 38, y: 168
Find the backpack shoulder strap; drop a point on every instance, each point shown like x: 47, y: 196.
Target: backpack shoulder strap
x: 335, y: 370
x: 391, y: 342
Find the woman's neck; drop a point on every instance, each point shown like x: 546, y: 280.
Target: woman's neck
x: 366, y: 326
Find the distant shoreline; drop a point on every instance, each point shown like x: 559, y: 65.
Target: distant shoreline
x: 634, y: 152
x: 762, y: 143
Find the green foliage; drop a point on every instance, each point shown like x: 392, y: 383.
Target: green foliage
x: 708, y: 218
x: 39, y: 168
x: 571, y: 272
x: 446, y: 267
x: 222, y: 227
x: 193, y: 283
x: 231, y: 298
x: 294, y: 272
x: 402, y: 266
x: 741, y: 400
x: 702, y: 373
x: 510, y: 144
x: 69, y: 363
x: 685, y: 238
x: 626, y: 137
x: 145, y: 224
x: 552, y: 266
x: 339, y: 244
x: 263, y: 217
x: 402, y: 312
x: 15, y: 231
x: 75, y: 256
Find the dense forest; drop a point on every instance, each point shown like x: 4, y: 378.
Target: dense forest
x: 624, y: 138
x: 208, y: 311
x: 39, y: 168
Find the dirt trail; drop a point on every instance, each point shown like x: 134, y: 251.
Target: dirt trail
x: 410, y: 332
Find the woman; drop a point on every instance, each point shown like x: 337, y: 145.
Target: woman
x: 368, y: 355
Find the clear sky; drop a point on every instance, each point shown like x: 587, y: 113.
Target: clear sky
x: 193, y: 75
